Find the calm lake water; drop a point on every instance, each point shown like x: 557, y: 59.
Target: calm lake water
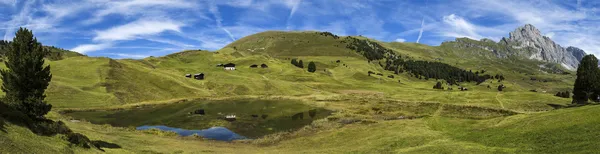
x: 215, y: 133
x: 253, y: 118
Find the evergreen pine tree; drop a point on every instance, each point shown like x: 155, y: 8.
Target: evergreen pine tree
x: 586, y: 83
x: 312, y: 67
x: 294, y: 62
x: 438, y: 85
x: 300, y: 64
x: 26, y: 78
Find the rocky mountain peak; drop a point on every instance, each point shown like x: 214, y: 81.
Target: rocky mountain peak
x: 527, y: 31
x: 543, y: 48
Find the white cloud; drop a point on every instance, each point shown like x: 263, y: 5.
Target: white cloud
x: 18, y: 20
x: 543, y: 14
x: 8, y: 2
x: 421, y: 30
x: 140, y: 29
x: 228, y: 34
x: 171, y: 42
x: 400, y: 40
x: 125, y: 55
x: 133, y: 8
x: 136, y: 29
x: 91, y: 47
x: 213, y: 44
x: 550, y: 34
x: 295, y: 5
x: 214, y: 9
x: 459, y: 27
x: 556, y: 19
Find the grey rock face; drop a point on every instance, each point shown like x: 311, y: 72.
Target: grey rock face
x: 578, y: 53
x: 543, y: 48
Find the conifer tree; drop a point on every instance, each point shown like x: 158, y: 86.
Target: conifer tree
x: 312, y: 67
x: 300, y: 64
x: 438, y: 85
x: 586, y: 85
x: 26, y: 78
x: 295, y: 62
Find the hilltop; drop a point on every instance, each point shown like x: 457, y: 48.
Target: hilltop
x: 54, y: 53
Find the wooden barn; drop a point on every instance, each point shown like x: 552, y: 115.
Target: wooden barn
x: 199, y: 76
x: 229, y: 66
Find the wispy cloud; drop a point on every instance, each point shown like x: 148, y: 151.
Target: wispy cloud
x: 125, y: 55
x: 133, y: 8
x: 108, y: 26
x: 400, y: 40
x: 8, y: 2
x: 84, y: 48
x: 170, y: 42
x: 295, y: 5
x: 214, y: 9
x: 134, y: 30
x: 459, y: 27
x: 421, y: 30
x: 19, y: 19
x: 142, y: 27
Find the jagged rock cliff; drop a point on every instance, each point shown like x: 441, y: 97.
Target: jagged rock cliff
x: 543, y: 48
x: 578, y: 53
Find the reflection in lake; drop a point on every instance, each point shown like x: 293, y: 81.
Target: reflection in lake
x: 215, y: 133
x: 249, y: 118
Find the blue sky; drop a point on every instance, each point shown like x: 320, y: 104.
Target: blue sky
x: 140, y: 28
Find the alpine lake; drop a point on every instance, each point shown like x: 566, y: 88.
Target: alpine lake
x: 224, y: 120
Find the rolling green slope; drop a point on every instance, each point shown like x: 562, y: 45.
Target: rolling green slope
x: 85, y: 83
x: 81, y: 81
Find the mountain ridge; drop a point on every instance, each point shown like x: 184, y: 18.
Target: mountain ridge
x: 526, y: 42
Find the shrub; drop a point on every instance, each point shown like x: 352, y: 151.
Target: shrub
x: 501, y: 87
x: 49, y: 127
x: 312, y: 67
x: 300, y: 64
x: 565, y: 94
x: 438, y: 85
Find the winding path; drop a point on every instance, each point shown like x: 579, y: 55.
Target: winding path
x: 501, y: 104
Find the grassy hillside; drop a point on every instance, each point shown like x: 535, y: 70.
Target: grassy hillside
x: 547, y: 132
x: 367, y: 107
x: 101, y: 82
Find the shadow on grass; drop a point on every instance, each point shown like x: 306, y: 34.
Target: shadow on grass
x: 2, y: 127
x: 556, y: 106
x: 103, y: 144
x: 5, y: 113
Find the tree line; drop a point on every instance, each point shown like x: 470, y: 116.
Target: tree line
x: 435, y: 70
x: 50, y: 52
x: 418, y: 68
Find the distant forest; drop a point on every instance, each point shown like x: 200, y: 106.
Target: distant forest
x: 421, y: 69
